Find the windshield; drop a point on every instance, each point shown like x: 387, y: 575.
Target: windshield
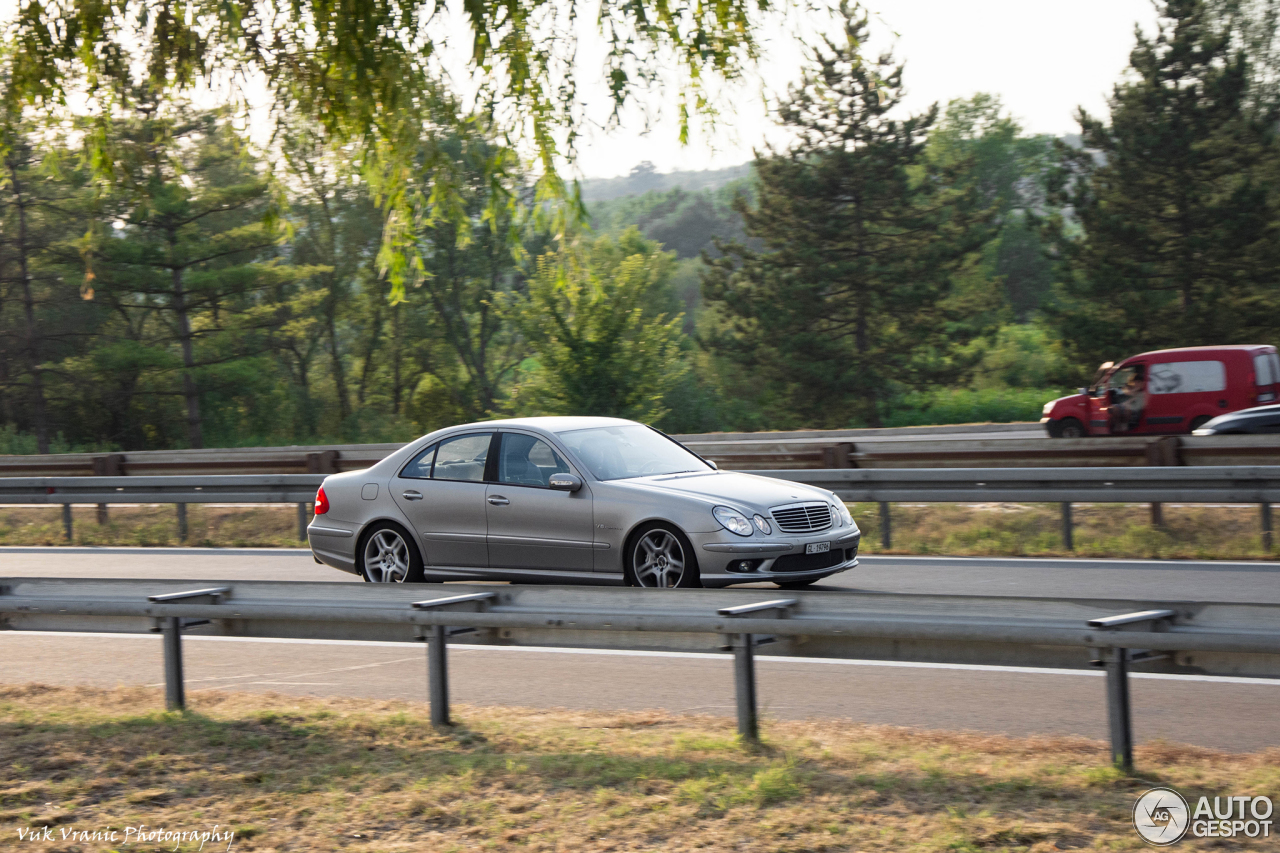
x: 616, y: 453
x: 1099, y: 378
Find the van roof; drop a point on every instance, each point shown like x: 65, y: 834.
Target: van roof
x: 1225, y: 348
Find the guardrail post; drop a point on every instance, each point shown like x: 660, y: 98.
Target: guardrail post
x: 102, y: 514
x: 744, y: 682
x: 1119, y: 720
x: 182, y: 522
x: 438, y: 676
x: 886, y: 526
x: 744, y: 665
x: 66, y: 521
x: 174, y: 697
x: 1118, y: 717
x: 1266, y: 526
x: 302, y: 522
x: 1068, y: 534
x: 1157, y: 515
x: 437, y: 651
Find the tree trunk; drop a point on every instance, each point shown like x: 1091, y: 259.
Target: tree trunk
x: 339, y: 373
x: 195, y: 431
x: 366, y: 369
x: 39, y: 415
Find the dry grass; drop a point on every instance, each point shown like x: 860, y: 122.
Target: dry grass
x: 309, y: 774
x: 1035, y: 530
x: 208, y: 526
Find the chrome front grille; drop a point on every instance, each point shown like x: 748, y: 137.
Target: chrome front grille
x: 802, y: 518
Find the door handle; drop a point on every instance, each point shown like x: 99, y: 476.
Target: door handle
x: 498, y: 500
x: 412, y: 495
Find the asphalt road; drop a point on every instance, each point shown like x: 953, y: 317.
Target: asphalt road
x: 1233, y: 714
x: 1154, y: 579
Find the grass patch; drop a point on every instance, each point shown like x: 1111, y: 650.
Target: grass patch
x: 1035, y: 530
x: 328, y: 774
x: 267, y: 526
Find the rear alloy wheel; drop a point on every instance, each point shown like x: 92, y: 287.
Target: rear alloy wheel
x: 389, y: 557
x: 662, y: 558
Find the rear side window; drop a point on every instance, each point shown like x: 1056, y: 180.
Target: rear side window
x: 462, y: 458
x: 1262, y: 369
x: 420, y: 467
x: 1187, y: 377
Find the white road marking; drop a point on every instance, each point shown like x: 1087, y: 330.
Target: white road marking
x: 762, y: 659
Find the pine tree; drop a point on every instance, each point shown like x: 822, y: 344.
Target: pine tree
x: 38, y: 309
x: 183, y: 247
x: 852, y: 299
x: 1176, y: 243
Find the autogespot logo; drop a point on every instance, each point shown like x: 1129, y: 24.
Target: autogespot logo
x: 1161, y: 816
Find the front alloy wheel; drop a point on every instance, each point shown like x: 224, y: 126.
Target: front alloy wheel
x: 659, y: 559
x: 389, y: 558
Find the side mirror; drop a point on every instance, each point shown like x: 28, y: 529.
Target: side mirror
x: 1111, y: 395
x: 712, y: 463
x: 565, y: 482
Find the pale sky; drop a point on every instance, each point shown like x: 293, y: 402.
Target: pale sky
x: 1043, y: 58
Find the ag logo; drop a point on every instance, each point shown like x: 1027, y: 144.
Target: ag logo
x: 1161, y: 816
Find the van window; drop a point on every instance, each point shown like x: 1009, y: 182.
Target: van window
x: 1275, y: 366
x: 1262, y: 370
x: 1188, y: 377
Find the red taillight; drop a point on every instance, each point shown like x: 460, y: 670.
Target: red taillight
x: 322, y: 501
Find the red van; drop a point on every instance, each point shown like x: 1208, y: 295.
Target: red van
x: 1167, y: 391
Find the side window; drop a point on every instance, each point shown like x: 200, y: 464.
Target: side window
x: 1262, y: 369
x: 1126, y: 380
x: 420, y: 467
x: 1188, y: 377
x: 462, y: 458
x: 528, y: 461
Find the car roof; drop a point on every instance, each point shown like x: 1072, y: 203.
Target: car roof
x: 554, y: 424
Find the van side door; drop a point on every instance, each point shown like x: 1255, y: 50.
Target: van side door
x: 1180, y: 392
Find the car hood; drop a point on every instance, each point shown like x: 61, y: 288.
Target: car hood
x: 730, y: 487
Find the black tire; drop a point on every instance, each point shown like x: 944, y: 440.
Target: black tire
x: 1196, y: 423
x: 1070, y: 428
x: 795, y: 584
x: 664, y: 538
x: 399, y: 565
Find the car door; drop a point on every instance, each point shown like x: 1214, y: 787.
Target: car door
x: 442, y: 493
x: 532, y: 526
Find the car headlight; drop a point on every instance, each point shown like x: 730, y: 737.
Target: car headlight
x: 1048, y: 407
x: 762, y: 524
x: 842, y: 513
x: 733, y: 521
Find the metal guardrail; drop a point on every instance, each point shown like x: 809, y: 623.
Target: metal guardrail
x: 1189, y: 637
x: 297, y: 489
x: 1257, y: 484
x: 968, y: 446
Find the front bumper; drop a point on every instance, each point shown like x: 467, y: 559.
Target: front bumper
x: 723, y: 561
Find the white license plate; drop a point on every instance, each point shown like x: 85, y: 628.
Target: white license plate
x: 817, y: 547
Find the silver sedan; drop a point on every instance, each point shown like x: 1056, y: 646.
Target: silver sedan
x: 595, y: 500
